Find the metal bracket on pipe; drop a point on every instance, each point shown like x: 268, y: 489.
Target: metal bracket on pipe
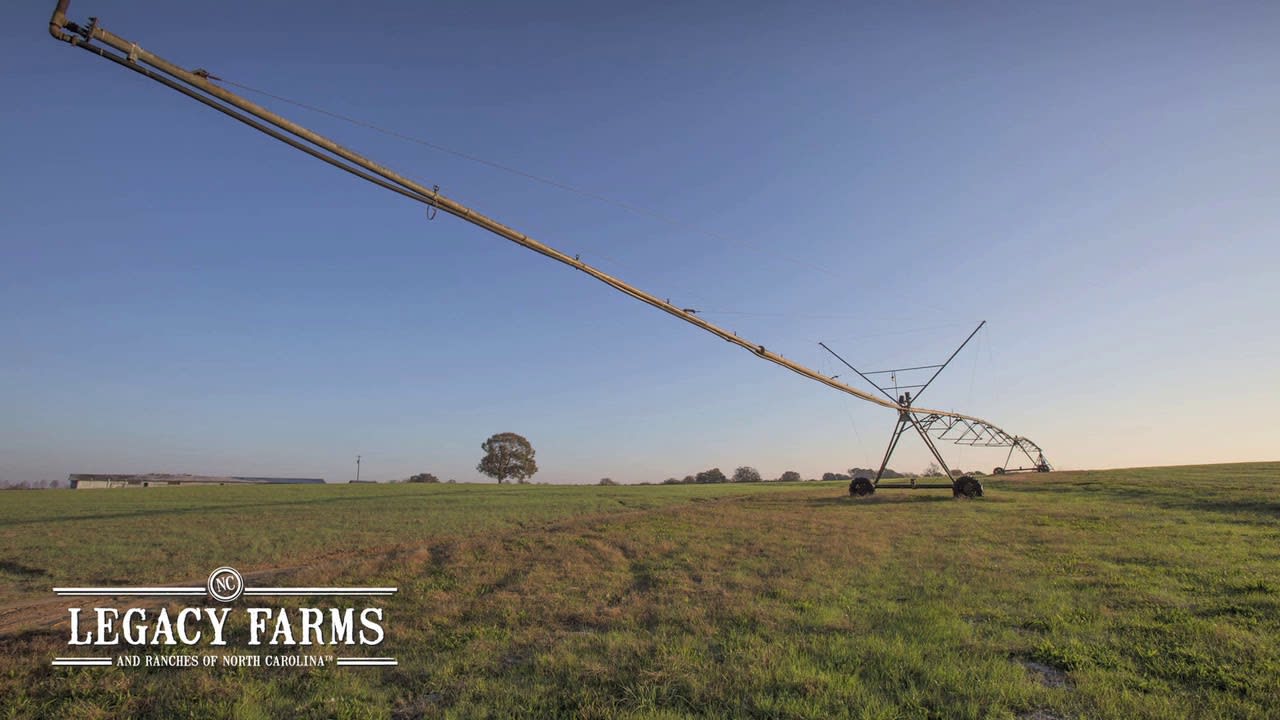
x: 432, y: 203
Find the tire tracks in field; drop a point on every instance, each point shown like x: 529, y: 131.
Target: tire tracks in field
x: 50, y: 613
x: 36, y: 614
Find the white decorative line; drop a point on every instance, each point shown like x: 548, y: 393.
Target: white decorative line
x: 320, y: 591
x: 198, y: 591
x: 82, y: 662
x: 365, y: 661
x: 130, y: 591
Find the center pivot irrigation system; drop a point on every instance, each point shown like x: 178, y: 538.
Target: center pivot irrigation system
x: 200, y: 85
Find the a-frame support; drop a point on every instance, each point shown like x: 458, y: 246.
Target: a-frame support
x: 907, y: 420
x: 964, y: 485
x: 1038, y: 464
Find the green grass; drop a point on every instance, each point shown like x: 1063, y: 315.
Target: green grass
x: 166, y: 535
x: 1150, y: 593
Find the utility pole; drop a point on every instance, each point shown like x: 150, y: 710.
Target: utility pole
x: 357, y: 468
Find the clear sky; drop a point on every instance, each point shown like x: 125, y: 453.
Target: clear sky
x: 1100, y: 182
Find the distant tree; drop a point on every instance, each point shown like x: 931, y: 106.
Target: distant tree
x: 671, y: 481
x: 55, y: 484
x: 975, y: 473
x: 714, y: 475
x: 606, y: 481
x: 790, y: 476
x: 746, y: 474
x: 688, y: 480
x: 423, y: 478
x: 957, y: 473
x: 835, y: 476
x: 870, y: 473
x: 507, y: 455
x: 933, y: 470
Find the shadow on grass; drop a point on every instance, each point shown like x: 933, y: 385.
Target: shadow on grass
x: 31, y: 639
x: 882, y: 498
x: 1232, y: 507
x: 194, y: 509
x: 1170, y: 497
x: 17, y: 568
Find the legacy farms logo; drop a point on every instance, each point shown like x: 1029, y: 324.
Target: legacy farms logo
x: 211, y: 636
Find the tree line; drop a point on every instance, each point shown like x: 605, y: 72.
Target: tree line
x: 31, y: 485
x: 744, y: 474
x: 509, y: 456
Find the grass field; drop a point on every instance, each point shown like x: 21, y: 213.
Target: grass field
x: 1151, y: 593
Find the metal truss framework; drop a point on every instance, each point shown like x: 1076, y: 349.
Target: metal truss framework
x: 934, y: 427
x: 980, y: 433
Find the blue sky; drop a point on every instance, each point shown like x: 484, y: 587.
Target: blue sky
x: 1100, y: 184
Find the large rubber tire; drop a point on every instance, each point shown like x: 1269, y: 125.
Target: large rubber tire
x: 1042, y: 468
x: 861, y: 487
x: 998, y: 471
x: 967, y: 486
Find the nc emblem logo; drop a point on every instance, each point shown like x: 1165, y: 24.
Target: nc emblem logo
x: 225, y: 584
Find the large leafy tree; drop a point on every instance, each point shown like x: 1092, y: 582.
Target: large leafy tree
x: 507, y: 456
x: 714, y: 475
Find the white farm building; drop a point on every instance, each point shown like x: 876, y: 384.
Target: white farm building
x: 87, y: 481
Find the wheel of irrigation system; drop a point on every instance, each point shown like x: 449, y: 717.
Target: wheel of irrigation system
x: 998, y: 471
x: 967, y: 486
x: 1042, y: 468
x: 861, y: 487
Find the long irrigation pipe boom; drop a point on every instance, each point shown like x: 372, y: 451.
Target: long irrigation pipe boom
x: 200, y: 85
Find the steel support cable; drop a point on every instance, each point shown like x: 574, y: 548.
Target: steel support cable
x: 635, y: 209
x: 892, y: 333
x: 465, y: 156
x: 230, y: 112
x: 133, y: 54
x: 598, y: 197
